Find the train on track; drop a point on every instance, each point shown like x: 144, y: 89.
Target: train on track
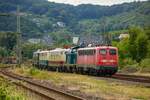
x: 8, y: 60
x: 100, y: 60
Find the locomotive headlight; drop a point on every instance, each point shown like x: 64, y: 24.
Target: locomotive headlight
x: 111, y: 60
x: 104, y: 61
x: 107, y: 61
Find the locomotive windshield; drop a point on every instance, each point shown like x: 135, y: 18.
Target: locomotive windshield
x: 103, y: 51
x: 112, y: 52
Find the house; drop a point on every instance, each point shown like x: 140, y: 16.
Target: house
x: 124, y: 35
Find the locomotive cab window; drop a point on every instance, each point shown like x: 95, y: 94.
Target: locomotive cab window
x: 112, y: 52
x: 103, y: 51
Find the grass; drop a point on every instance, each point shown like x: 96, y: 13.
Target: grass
x: 89, y: 85
x: 6, y: 65
x: 9, y: 92
x: 2, y: 65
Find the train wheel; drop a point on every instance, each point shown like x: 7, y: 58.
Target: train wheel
x: 78, y: 70
x: 60, y: 69
x: 94, y: 72
x: 57, y: 70
x: 99, y: 73
x: 82, y: 71
x: 65, y: 69
x: 74, y: 69
x: 71, y: 69
x: 91, y: 71
x: 88, y: 71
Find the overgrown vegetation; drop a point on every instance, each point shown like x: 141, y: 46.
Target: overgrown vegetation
x: 33, y: 71
x: 7, y: 43
x: 29, y: 48
x: 92, y: 86
x: 9, y: 92
x: 134, y: 51
x: 145, y: 65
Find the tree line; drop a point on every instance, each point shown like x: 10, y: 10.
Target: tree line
x: 135, y: 50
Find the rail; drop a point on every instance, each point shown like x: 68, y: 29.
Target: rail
x: 43, y: 90
x: 134, y: 78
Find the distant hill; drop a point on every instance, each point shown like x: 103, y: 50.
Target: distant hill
x: 41, y: 17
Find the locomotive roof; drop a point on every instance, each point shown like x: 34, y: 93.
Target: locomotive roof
x: 88, y: 48
x: 44, y: 51
x: 54, y: 50
x: 58, y: 50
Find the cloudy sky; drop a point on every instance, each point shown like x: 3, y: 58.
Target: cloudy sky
x: 98, y: 2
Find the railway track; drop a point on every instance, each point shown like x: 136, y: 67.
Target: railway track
x: 48, y: 93
x: 133, y: 78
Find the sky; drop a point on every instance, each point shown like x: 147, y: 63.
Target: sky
x: 96, y: 2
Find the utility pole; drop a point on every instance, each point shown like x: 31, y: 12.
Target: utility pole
x: 19, y: 37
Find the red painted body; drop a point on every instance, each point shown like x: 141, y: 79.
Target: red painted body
x: 108, y: 57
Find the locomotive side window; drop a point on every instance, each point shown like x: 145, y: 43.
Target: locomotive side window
x: 87, y: 52
x: 103, y: 51
x: 80, y: 52
x: 112, y: 52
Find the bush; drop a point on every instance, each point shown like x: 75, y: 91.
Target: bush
x: 128, y: 65
x: 145, y: 65
x: 127, y: 62
x: 33, y: 71
x: 3, y: 93
x: 6, y: 92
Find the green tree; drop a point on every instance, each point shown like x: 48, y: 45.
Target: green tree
x: 147, y: 32
x: 133, y: 31
x: 29, y: 48
x: 138, y: 43
x: 148, y: 49
x: 8, y: 40
x: 142, y: 43
x: 123, y: 47
x: 3, y: 52
x: 62, y: 37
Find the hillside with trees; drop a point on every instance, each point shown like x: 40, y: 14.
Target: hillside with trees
x: 40, y: 17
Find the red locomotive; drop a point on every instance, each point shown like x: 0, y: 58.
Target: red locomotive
x: 100, y: 60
